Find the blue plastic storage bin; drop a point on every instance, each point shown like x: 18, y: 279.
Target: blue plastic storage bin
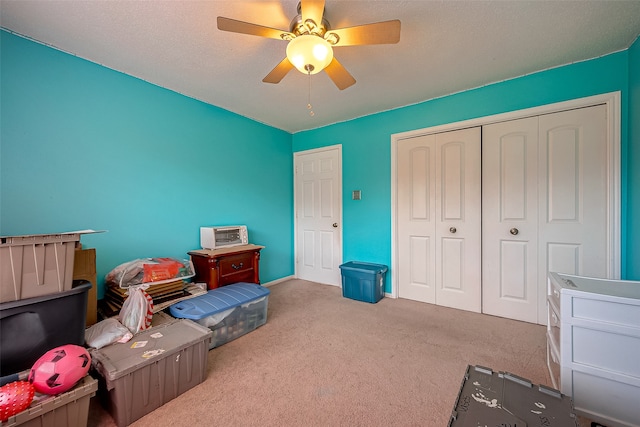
x: 363, y: 281
x: 230, y: 311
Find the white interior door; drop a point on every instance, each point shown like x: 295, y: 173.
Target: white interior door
x: 510, y: 219
x: 318, y: 214
x: 439, y: 219
x: 573, y: 177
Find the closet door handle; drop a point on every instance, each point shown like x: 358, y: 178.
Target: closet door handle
x: 514, y: 231
x: 452, y: 230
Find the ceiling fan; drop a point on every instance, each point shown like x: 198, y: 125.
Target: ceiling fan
x: 311, y: 41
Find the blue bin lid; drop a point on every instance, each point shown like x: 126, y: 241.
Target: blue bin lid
x: 364, y: 266
x: 218, y: 300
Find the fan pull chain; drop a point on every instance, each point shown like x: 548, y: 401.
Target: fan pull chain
x: 309, y: 107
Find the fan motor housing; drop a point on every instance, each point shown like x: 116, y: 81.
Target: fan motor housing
x: 298, y: 27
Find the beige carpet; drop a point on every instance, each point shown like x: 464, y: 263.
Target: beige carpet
x: 324, y: 360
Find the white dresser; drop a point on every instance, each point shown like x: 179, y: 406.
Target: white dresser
x: 593, y: 346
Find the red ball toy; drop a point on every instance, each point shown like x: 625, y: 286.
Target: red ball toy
x: 15, y: 397
x: 59, y: 369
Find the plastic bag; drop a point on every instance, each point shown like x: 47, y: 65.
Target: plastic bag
x: 137, y: 310
x: 106, y: 332
x: 162, y: 269
x: 149, y: 271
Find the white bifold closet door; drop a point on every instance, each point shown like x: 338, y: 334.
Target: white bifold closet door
x: 544, y: 189
x: 439, y: 218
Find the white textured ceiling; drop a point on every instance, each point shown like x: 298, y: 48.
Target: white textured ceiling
x: 445, y: 47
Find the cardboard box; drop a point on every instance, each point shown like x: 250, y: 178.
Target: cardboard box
x: 84, y: 268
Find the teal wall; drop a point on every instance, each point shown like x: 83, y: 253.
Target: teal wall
x: 83, y: 146
x: 366, y: 145
x: 633, y: 162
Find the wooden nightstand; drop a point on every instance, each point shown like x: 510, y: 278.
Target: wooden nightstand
x: 219, y: 267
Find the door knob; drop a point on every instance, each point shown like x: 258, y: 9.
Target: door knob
x: 335, y: 225
x: 514, y: 231
x: 453, y: 230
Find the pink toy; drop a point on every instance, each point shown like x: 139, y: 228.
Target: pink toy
x: 59, y: 369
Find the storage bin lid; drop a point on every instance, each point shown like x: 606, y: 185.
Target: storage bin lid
x: 41, y: 239
x: 366, y: 267
x: 218, y: 300
x: 500, y: 398
x: 117, y: 360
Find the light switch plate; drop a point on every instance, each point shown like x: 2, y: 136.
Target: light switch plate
x: 356, y: 195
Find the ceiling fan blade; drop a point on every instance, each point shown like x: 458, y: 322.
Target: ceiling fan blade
x: 312, y: 9
x: 278, y: 73
x: 387, y: 32
x: 339, y: 75
x: 235, y: 26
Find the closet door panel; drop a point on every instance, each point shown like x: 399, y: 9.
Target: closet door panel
x: 510, y: 219
x: 458, y: 206
x: 513, y: 279
x: 451, y: 180
x: 416, y: 219
x: 573, y: 206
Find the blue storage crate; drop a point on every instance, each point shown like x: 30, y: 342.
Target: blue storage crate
x: 230, y: 311
x: 363, y: 281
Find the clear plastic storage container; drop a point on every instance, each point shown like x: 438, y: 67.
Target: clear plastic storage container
x: 230, y: 311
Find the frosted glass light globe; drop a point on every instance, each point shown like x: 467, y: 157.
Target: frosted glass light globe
x: 309, y: 54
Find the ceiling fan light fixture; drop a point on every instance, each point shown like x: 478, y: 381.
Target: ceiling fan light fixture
x: 310, y: 54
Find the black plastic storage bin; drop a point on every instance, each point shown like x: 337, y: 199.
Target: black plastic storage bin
x: 363, y: 281
x: 32, y: 326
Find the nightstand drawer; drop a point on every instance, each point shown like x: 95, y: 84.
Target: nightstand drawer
x: 236, y: 263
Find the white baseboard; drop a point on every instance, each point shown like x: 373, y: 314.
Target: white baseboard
x: 274, y: 282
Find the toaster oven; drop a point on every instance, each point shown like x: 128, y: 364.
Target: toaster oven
x: 222, y: 237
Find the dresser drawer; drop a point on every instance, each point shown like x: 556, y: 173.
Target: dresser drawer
x: 553, y: 325
x: 236, y: 263
x: 553, y: 293
x: 553, y: 363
